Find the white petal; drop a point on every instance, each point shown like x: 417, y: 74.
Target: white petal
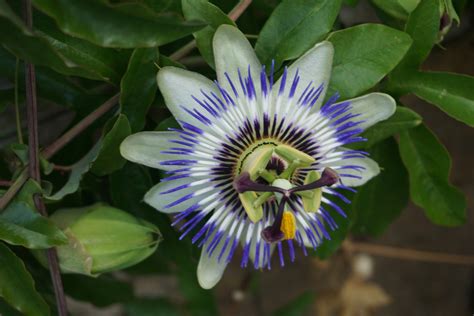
x: 156, y: 197
x: 373, y: 108
x: 146, y: 148
x: 210, y: 270
x: 178, y: 86
x: 232, y: 51
x: 314, y: 66
x: 370, y: 170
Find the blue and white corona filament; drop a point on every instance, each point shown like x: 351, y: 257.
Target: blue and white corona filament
x: 256, y: 163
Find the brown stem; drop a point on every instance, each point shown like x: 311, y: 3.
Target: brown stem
x: 408, y: 254
x: 240, y: 8
x: 234, y: 14
x: 183, y: 51
x: 62, y: 141
x: 62, y: 168
x: 33, y: 165
x: 5, y: 183
x: 52, y: 149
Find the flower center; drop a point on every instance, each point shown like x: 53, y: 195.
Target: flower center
x: 265, y: 172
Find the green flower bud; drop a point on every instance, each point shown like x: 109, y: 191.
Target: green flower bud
x: 102, y: 239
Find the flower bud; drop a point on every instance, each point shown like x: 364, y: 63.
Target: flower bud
x: 102, y: 239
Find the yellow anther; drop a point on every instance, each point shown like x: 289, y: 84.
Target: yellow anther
x: 288, y: 225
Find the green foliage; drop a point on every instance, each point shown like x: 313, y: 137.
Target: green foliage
x: 77, y: 172
x: 382, y: 199
x: 451, y: 92
x: 21, y: 225
x: 423, y: 27
x: 138, y: 86
x: 97, y: 22
x: 294, y: 27
x: 428, y: 164
x: 17, y: 287
x: 205, y: 11
x: 401, y: 120
x: 363, y: 55
x: 109, y: 159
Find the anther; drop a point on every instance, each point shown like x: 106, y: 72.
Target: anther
x: 244, y: 183
x: 328, y: 178
x: 273, y: 233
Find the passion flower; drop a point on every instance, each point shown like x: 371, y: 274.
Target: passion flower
x: 254, y: 160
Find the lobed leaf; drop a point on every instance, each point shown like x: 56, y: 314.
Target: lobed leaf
x: 428, y: 164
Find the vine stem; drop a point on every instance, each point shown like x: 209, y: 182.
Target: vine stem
x: 57, y: 145
x: 17, y: 106
x: 234, y: 14
x: 62, y: 141
x: 33, y: 165
x: 408, y: 254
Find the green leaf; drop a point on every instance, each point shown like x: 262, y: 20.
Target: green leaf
x: 111, y: 26
x: 380, y: 201
x: 27, y: 45
x: 126, y: 197
x: 77, y: 172
x: 100, y: 63
x: 50, y: 85
x: 138, y: 86
x: 102, y: 291
x: 208, y: 12
x: 428, y: 164
x: 17, y: 286
x: 167, y: 123
x: 363, y: 55
x: 109, y: 158
x: 150, y: 307
x: 294, y: 27
x: 7, y: 310
x: 393, y: 8
x: 21, y: 225
x: 27, y: 193
x: 298, y: 306
x: 401, y: 120
x: 452, y: 93
x: 423, y: 27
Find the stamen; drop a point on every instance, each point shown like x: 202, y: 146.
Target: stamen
x: 273, y: 233
x: 328, y: 178
x: 243, y: 183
